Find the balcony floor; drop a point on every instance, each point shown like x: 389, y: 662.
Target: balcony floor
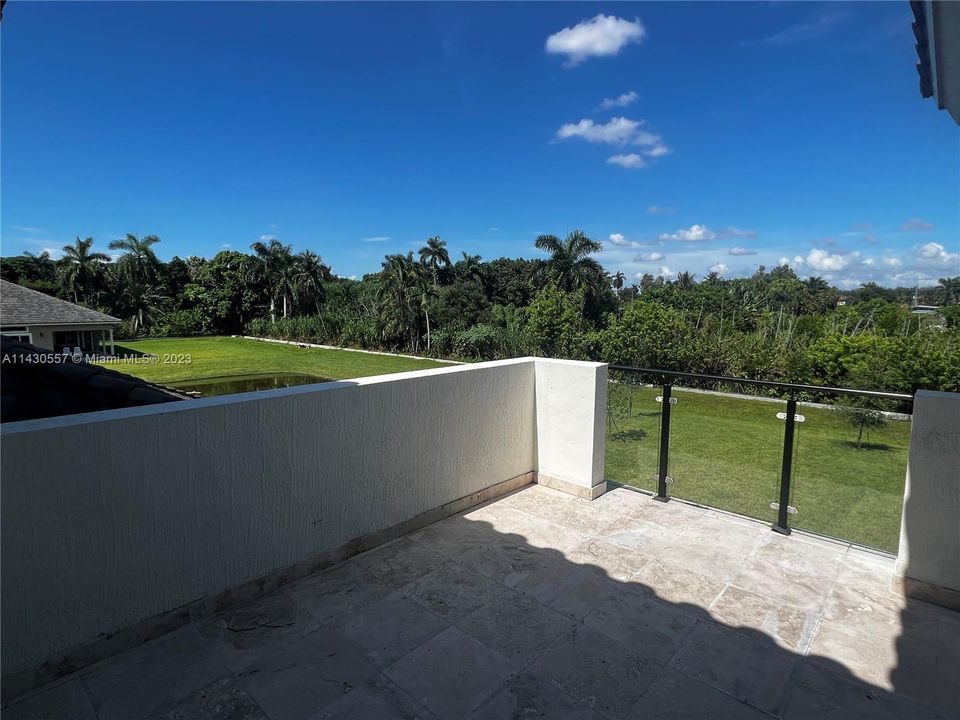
x: 542, y: 605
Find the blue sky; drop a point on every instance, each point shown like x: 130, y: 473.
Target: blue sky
x: 685, y: 136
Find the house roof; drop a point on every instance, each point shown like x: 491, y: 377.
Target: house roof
x: 40, y: 389
x: 23, y: 306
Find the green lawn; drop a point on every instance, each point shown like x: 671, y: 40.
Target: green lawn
x: 220, y: 356
x: 726, y: 452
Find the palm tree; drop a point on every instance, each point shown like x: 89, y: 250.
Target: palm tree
x: 434, y: 254
x: 81, y: 268
x: 311, y: 273
x: 142, y: 304
x: 618, y: 279
x: 472, y: 267
x: 276, y: 270
x: 139, y: 261
x: 424, y: 292
x: 40, y: 264
x: 395, y: 296
x: 951, y: 289
x: 570, y: 265
x: 685, y: 280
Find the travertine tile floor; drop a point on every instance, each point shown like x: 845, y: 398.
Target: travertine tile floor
x: 542, y: 605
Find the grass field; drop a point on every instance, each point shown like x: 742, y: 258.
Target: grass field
x: 220, y: 356
x: 725, y: 452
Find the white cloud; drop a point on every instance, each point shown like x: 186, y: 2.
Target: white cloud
x: 268, y: 238
x: 737, y: 232
x: 665, y: 272
x: 696, y: 233
x: 650, y: 257
x: 796, y: 262
x: 630, y: 160
x: 916, y: 225
x: 226, y: 245
x: 824, y: 261
x: 616, y: 131
x: 628, y: 98
x: 27, y: 229
x: 658, y: 210
x: 892, y: 262
x: 619, y: 240
x: 376, y: 238
x: 493, y: 229
x: 602, y: 36
x: 804, y: 31
x: 738, y: 250
x: 935, y: 253
x: 719, y: 268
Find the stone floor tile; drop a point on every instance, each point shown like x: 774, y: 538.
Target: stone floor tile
x: 721, y: 561
x: 516, y: 626
x: 388, y: 629
x: 614, y: 561
x: 650, y: 629
x: 456, y: 535
x: 821, y: 561
x: 399, y: 562
x: 754, y: 671
x: 815, y: 692
x: 602, y: 675
x: 869, y: 656
x: 540, y: 572
x: 665, y: 581
x: 622, y: 501
x: 641, y: 534
x: 381, y: 699
x: 531, y: 696
x: 332, y: 595
x: 729, y: 531
x: 773, y: 580
x: 65, y: 701
x: 300, y: 679
x: 676, y: 696
x: 224, y: 699
x: 137, y: 683
x: 520, y: 526
x: 790, y: 627
x: 583, y: 592
x: 454, y: 590
x: 241, y: 634
x: 451, y: 674
x: 562, y: 508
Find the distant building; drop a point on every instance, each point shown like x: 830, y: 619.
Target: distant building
x: 53, y: 324
x: 924, y: 309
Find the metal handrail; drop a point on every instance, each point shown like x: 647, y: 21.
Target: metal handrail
x: 797, y: 387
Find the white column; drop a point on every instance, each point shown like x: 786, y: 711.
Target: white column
x: 928, y: 564
x: 571, y: 416
x: 112, y: 350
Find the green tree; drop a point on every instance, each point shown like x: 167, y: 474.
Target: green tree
x: 570, y: 266
x: 81, y: 269
x: 276, y: 272
x: 434, y: 255
x: 648, y: 335
x: 138, y: 260
x: 554, y: 322
x: 863, y: 420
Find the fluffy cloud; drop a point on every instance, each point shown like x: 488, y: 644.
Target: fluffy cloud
x: 629, y: 160
x: 602, y: 36
x: 916, y: 225
x: 268, y: 238
x: 740, y: 251
x: 824, y: 261
x: 696, y: 233
x: 658, y: 210
x: 619, y: 240
x: 376, y: 238
x: 650, y: 257
x: 936, y: 254
x: 628, y: 98
x: 719, y: 269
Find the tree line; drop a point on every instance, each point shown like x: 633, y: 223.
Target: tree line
x: 772, y: 325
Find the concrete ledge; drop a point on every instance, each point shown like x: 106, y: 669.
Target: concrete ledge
x: 555, y: 483
x: 927, y: 592
x: 21, y: 682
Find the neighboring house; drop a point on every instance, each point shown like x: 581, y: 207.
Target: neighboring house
x: 37, y: 383
x: 53, y: 324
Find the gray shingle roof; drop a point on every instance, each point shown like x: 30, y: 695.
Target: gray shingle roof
x: 22, y: 306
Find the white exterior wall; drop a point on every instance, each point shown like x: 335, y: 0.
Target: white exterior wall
x: 929, y: 556
x: 114, y: 517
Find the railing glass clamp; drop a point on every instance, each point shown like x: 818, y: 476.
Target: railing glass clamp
x: 790, y: 508
x: 673, y: 400
x: 783, y: 416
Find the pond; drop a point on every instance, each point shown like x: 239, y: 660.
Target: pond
x: 230, y: 384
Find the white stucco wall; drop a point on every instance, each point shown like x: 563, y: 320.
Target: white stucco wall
x: 930, y: 528
x: 571, y: 416
x: 113, y: 517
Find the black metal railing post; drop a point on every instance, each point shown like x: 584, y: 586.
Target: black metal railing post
x: 664, y: 445
x: 786, y: 468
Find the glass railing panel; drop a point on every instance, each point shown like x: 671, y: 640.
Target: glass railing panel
x: 849, y: 472
x: 633, y: 435
x: 725, y: 451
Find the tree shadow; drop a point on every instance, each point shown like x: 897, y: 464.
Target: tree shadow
x: 852, y: 445
x: 628, y: 435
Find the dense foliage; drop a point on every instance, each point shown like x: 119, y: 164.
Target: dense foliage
x: 772, y: 325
